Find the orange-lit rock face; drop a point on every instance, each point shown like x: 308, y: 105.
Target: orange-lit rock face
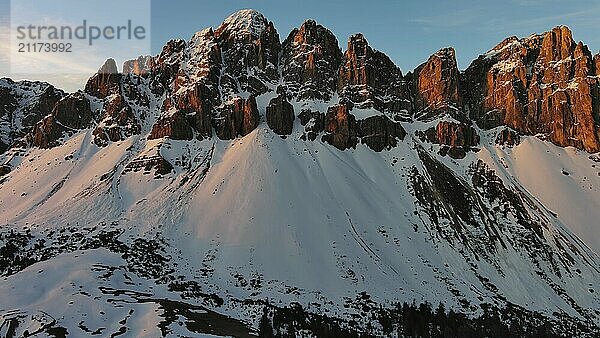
x: 70, y: 113
x: 140, y: 66
x: 437, y: 86
x: 453, y: 134
x: 174, y: 126
x: 238, y: 117
x: 340, y: 127
x: 368, y: 78
x: 541, y: 84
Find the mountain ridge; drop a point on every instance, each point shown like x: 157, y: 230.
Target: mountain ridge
x: 235, y: 170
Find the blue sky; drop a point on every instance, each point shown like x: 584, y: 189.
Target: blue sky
x: 407, y: 31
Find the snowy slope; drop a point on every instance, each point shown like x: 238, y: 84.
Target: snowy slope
x: 340, y: 223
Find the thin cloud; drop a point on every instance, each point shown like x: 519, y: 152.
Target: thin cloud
x: 584, y: 17
x: 455, y: 19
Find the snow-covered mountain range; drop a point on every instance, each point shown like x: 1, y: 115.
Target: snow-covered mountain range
x: 238, y: 185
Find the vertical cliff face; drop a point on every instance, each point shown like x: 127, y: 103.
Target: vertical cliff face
x: 238, y: 117
x: 543, y: 84
x: 140, y: 66
x: 280, y: 115
x: 368, y: 78
x: 436, y: 87
x: 310, y: 61
x: 340, y: 127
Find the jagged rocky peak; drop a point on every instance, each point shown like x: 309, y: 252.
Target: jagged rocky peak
x: 436, y: 87
x: 117, y: 119
x: 597, y: 64
x: 557, y: 44
x: 369, y: 79
x: 250, y: 52
x: 543, y: 84
x: 109, y: 67
x: 106, y: 81
x: 246, y: 23
x: 142, y: 65
x: 310, y: 60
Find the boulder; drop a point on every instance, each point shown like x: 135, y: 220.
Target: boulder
x: 340, y: 127
x: 280, y: 115
x: 379, y: 132
x: 313, y: 122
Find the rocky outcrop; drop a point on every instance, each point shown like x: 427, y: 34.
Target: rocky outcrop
x: 453, y: 134
x: 5, y: 170
x: 436, y: 87
x: 239, y: 117
x: 118, y: 123
x: 196, y: 103
x: 343, y: 131
x: 105, y: 82
x: 167, y: 66
x: 22, y: 105
x: 369, y: 79
x: 508, y: 137
x: 310, y: 60
x: 70, y: 114
x: 174, y: 125
x: 379, y: 132
x: 543, y: 84
x: 46, y: 133
x: 118, y: 120
x: 147, y: 164
x: 340, y: 127
x: 313, y: 122
x: 202, y: 61
x: 455, y: 138
x: 280, y: 115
